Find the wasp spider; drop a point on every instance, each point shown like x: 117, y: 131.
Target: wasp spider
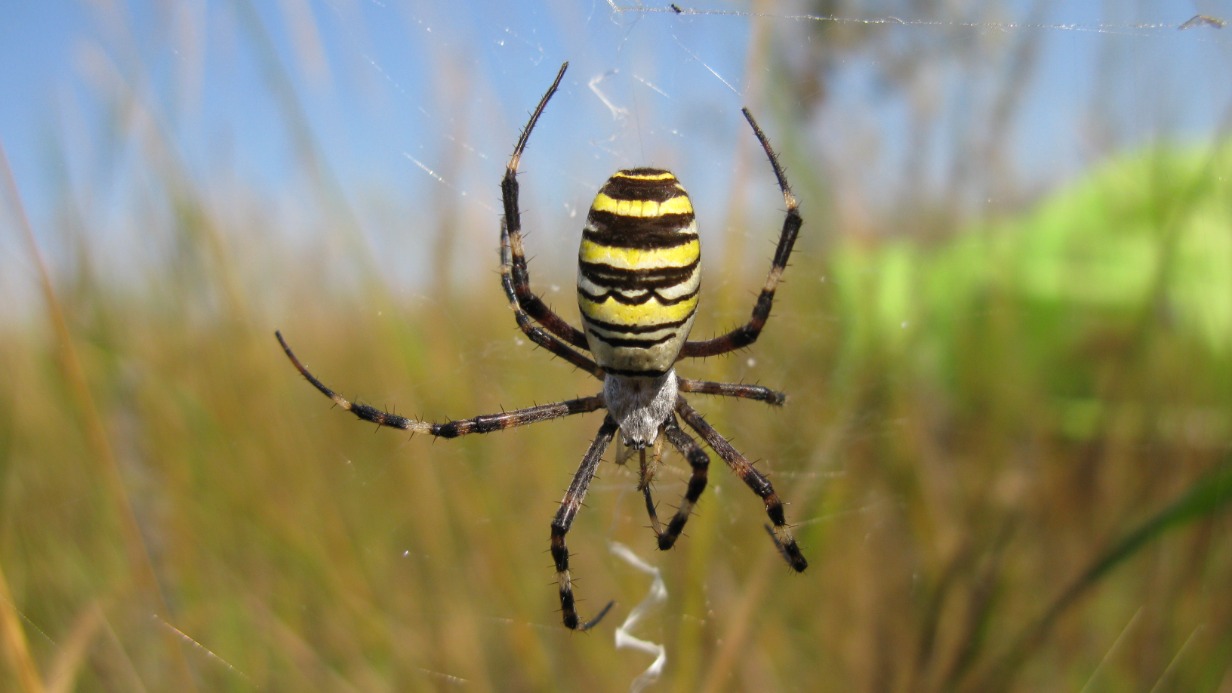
x: 638, y: 281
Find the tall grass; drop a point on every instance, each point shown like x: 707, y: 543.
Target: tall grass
x: 1000, y: 481
x: 965, y: 530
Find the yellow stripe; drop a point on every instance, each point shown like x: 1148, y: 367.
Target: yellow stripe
x: 648, y: 313
x: 637, y: 258
x: 642, y: 208
x: 662, y: 175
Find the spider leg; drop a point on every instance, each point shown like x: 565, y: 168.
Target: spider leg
x: 515, y: 276
x: 526, y: 321
x: 747, y: 334
x: 700, y: 462
x: 755, y: 392
x: 569, y: 506
x: 649, y: 467
x: 779, y: 531
x: 450, y: 429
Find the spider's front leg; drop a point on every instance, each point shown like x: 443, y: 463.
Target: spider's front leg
x: 700, y: 462
x: 779, y: 530
x: 569, y: 506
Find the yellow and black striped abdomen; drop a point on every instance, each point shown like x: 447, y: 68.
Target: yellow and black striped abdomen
x: 639, y: 271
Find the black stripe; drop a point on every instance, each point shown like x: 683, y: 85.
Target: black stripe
x: 620, y: 235
x: 637, y: 300
x: 635, y: 226
x: 645, y: 171
x: 630, y: 373
x: 634, y: 282
x: 620, y: 188
x: 634, y: 343
x: 635, y: 329
x: 620, y: 278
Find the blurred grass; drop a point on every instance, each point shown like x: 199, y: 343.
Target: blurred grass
x: 1006, y: 453
x: 999, y: 482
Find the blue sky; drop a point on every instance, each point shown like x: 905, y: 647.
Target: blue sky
x: 414, y: 106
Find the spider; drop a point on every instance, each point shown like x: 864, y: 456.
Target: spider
x: 638, y: 281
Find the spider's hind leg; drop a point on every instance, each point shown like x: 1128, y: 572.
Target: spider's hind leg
x: 556, y: 334
x: 747, y: 333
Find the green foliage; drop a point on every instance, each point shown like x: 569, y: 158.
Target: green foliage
x: 1135, y: 255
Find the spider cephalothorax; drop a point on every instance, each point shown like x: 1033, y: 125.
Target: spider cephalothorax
x: 639, y: 276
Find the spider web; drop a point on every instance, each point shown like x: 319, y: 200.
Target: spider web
x: 914, y: 88
x: 887, y: 106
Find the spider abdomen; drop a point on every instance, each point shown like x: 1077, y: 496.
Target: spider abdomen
x: 639, y: 272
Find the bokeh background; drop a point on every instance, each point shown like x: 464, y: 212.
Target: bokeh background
x: 1006, y: 335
